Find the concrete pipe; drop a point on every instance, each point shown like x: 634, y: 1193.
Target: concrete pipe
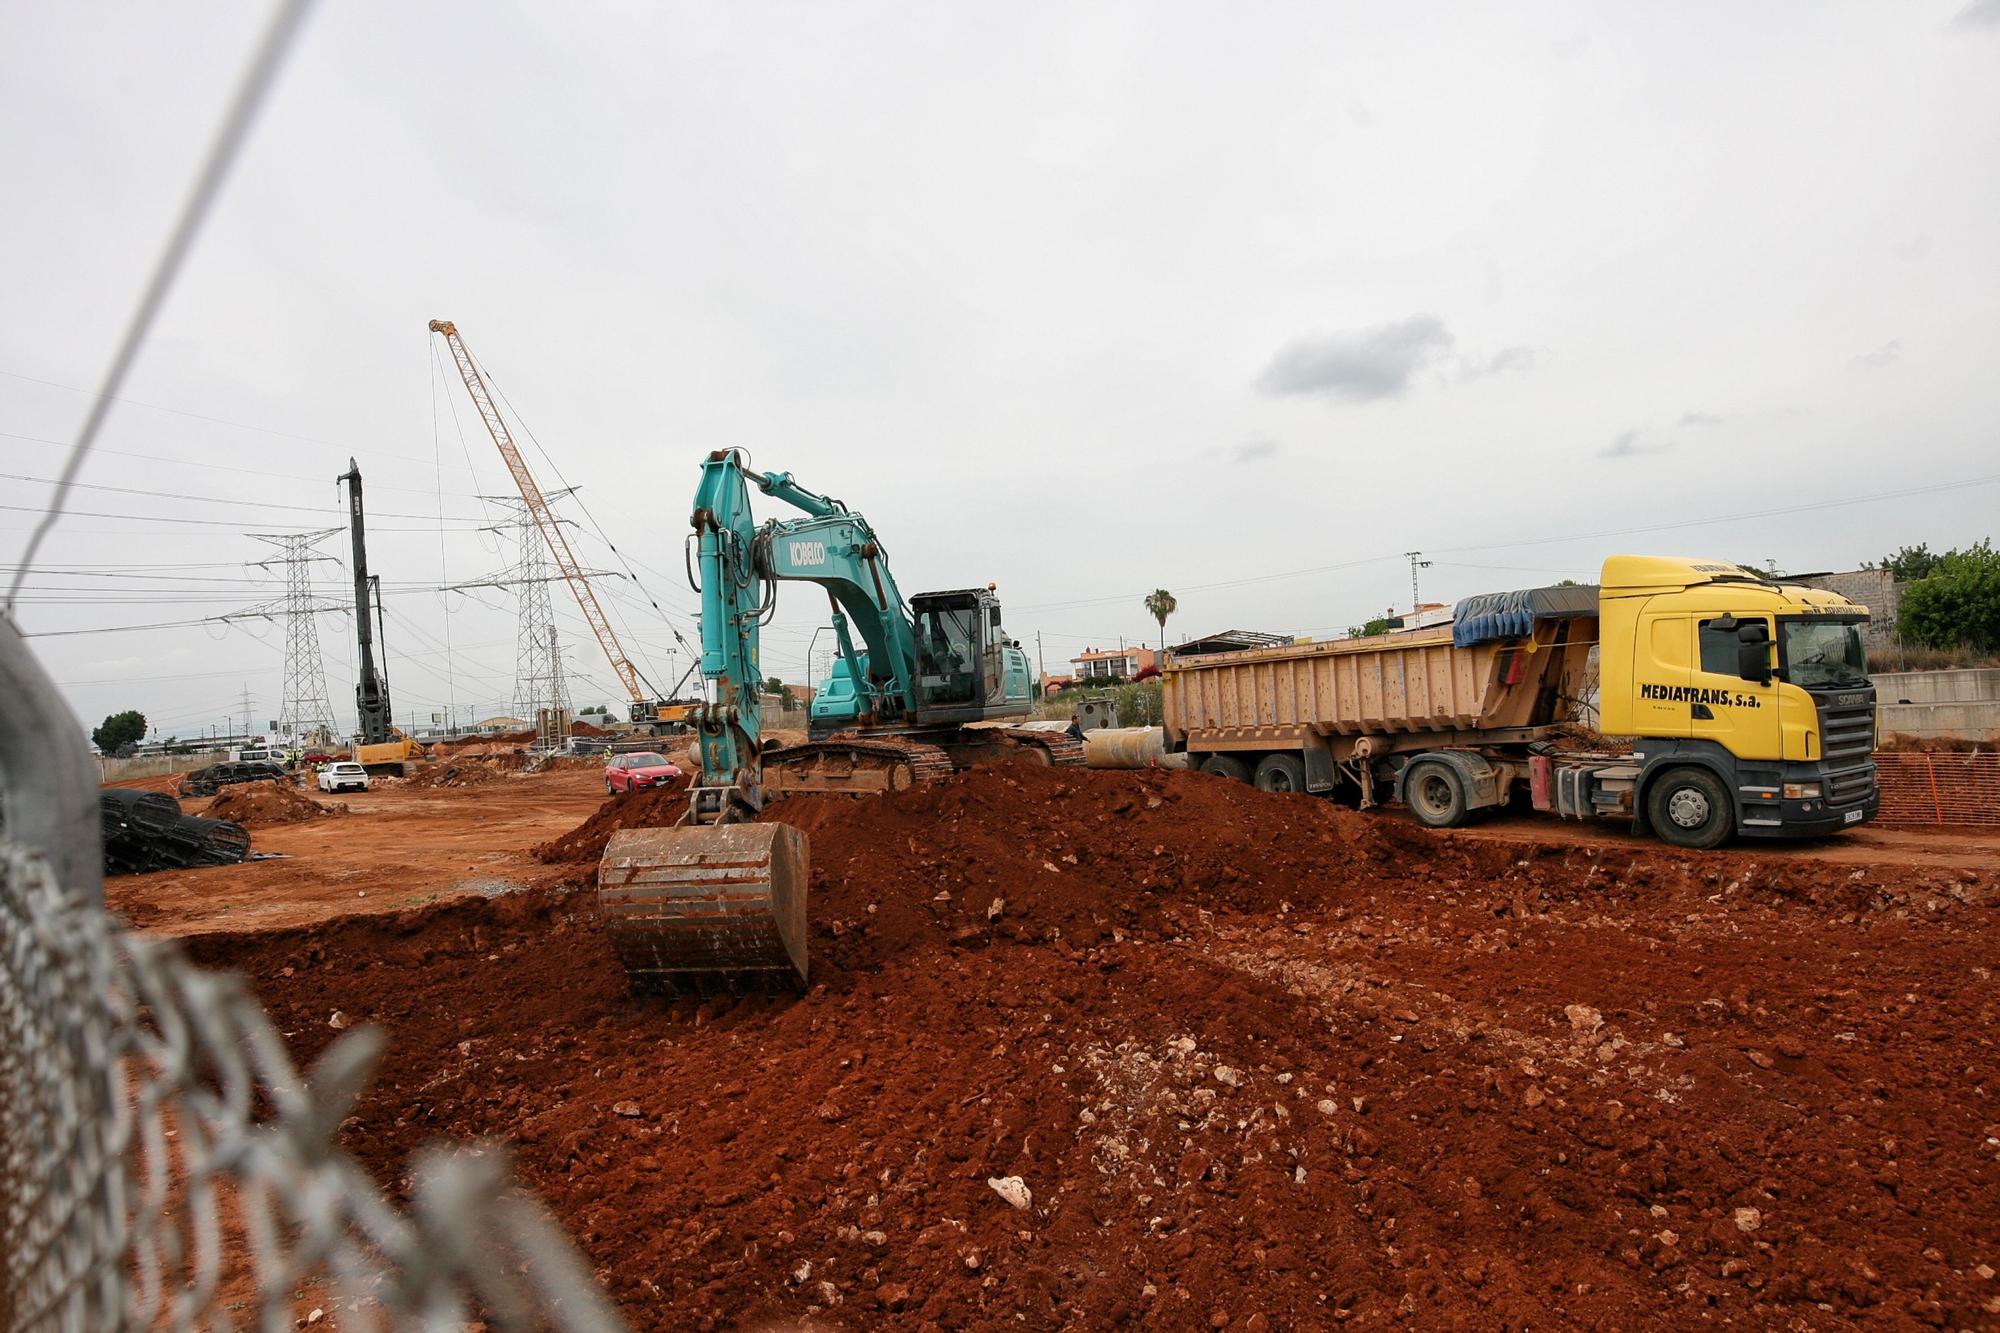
x: 1129, y: 747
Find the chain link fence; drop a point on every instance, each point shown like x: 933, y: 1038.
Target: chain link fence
x: 163, y: 1165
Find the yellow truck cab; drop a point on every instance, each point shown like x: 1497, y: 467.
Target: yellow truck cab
x: 1739, y: 692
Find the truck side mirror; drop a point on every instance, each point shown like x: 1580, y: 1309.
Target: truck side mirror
x: 1753, y: 652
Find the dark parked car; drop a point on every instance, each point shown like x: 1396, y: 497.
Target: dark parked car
x: 208, y: 781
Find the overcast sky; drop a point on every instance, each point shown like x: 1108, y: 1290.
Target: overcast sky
x: 1242, y: 301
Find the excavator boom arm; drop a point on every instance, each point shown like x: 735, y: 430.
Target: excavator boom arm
x: 740, y: 561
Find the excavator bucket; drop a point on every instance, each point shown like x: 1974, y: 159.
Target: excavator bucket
x: 706, y: 908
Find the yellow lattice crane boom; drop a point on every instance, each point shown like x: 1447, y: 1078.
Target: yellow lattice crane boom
x: 643, y: 709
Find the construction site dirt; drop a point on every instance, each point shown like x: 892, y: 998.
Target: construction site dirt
x: 1247, y: 1060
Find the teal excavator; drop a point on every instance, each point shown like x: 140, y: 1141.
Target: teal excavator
x: 918, y: 689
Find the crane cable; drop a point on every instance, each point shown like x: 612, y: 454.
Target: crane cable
x: 596, y: 527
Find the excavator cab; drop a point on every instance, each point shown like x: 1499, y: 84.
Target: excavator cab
x: 948, y: 652
x: 968, y: 669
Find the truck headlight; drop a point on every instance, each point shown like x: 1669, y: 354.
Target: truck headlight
x: 1796, y: 791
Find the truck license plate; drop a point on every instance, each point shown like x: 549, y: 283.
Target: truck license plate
x: 1852, y: 816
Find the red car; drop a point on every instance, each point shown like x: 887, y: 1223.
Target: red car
x: 636, y: 772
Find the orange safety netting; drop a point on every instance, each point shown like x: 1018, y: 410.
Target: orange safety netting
x: 1925, y: 787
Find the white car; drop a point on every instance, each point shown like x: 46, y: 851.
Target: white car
x: 343, y: 777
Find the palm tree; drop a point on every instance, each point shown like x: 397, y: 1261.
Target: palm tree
x: 1159, y: 605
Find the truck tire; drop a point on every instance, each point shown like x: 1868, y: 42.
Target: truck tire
x: 1435, y: 794
x: 1227, y: 766
x: 1689, y: 807
x: 1281, y: 772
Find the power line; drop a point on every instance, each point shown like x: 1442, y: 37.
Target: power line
x: 222, y: 500
x: 227, y: 467
x: 202, y: 522
x: 1810, y: 507
x: 596, y: 527
x: 222, y: 152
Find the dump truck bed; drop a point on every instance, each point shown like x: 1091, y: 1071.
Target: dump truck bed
x: 1412, y: 683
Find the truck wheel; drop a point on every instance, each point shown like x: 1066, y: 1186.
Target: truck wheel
x: 1227, y: 766
x: 1281, y: 772
x: 1435, y: 794
x: 1689, y: 807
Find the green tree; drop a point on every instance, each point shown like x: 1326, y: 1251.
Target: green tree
x: 1958, y: 603
x: 1379, y: 625
x: 124, y: 728
x: 1159, y: 605
x: 1907, y: 564
x: 1138, y: 705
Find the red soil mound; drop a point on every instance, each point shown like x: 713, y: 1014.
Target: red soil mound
x: 253, y: 804
x: 655, y: 808
x: 1261, y: 1063
x: 459, y: 773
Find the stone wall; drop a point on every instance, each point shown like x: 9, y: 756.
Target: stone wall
x: 1939, y: 705
x: 1874, y: 589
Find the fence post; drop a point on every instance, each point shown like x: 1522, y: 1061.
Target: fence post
x: 48, y: 776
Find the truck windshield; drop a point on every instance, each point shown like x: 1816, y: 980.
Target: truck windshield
x: 1823, y: 652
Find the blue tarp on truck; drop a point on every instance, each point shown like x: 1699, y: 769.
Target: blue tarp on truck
x: 1491, y: 616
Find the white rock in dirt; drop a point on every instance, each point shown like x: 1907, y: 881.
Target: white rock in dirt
x: 1583, y: 1018
x: 630, y: 1110
x: 1225, y: 1075
x: 1747, y: 1219
x: 993, y: 911
x: 1013, y: 1189
x: 338, y: 1021
x: 803, y: 1272
x: 1327, y: 1106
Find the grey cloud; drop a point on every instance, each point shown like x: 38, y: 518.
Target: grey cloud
x: 1979, y: 14
x: 1701, y: 419
x: 1366, y: 363
x: 1886, y: 355
x: 1504, y: 360
x: 1630, y: 445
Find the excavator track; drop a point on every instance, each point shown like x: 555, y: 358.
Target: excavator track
x: 1063, y: 749
x: 854, y: 765
x: 980, y: 746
